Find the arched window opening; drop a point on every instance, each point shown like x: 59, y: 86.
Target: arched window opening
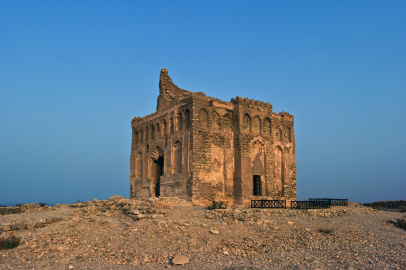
x: 180, y: 122
x: 188, y: 119
x: 203, y: 118
x: 266, y: 130
x: 139, y: 166
x: 164, y: 126
x: 278, y: 134
x: 158, y: 130
x: 215, y: 120
x: 256, y: 124
x: 140, y: 137
x: 177, y: 157
x: 157, y: 157
x: 171, y: 125
x: 246, y: 125
x: 135, y: 138
x: 152, y: 132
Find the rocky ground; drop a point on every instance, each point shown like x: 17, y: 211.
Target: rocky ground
x: 133, y: 234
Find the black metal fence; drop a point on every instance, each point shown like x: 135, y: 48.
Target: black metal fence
x: 333, y: 202
x: 312, y: 203
x: 268, y: 204
x: 309, y: 204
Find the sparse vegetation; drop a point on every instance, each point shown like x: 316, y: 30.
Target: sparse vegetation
x: 42, y: 204
x: 241, y: 218
x: 377, y: 207
x: 9, y: 242
x: 401, y: 223
x: 18, y: 204
x: 402, y: 209
x: 326, y: 231
x: 217, y: 204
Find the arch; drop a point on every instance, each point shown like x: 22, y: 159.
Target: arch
x: 171, y: 125
x: 152, y: 132
x: 266, y: 127
x: 256, y: 124
x: 157, y: 153
x: 203, y: 118
x: 164, y: 126
x: 246, y: 123
x: 158, y: 130
x: 140, y: 136
x: 177, y: 157
x: 147, y: 134
x: 278, y: 134
x: 180, y: 121
x: 135, y: 137
x: 227, y: 121
x: 138, y: 166
x: 187, y: 119
x: 215, y: 123
x: 157, y: 170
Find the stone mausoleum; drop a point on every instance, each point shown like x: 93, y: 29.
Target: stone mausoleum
x: 199, y: 147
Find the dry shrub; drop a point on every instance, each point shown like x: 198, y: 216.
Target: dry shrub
x: 217, y: 204
x: 9, y: 242
x: 402, y: 209
x: 326, y: 231
x: 401, y: 223
x: 377, y: 207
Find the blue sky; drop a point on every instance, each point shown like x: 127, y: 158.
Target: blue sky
x: 74, y: 73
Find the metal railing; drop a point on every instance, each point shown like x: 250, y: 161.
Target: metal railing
x: 309, y: 204
x: 268, y: 204
x: 333, y: 202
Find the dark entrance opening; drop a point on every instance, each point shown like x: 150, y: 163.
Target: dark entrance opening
x: 158, y: 172
x: 256, y: 185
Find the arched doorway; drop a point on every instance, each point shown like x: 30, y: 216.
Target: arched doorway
x: 157, y: 171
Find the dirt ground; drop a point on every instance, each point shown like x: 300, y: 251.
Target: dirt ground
x: 123, y: 234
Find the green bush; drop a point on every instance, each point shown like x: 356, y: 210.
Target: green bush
x: 42, y: 204
x: 217, y: 204
x: 402, y: 209
x: 9, y: 242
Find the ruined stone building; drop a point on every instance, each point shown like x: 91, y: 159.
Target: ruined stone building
x: 198, y: 147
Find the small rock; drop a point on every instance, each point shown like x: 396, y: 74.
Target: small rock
x: 214, y: 231
x: 180, y: 259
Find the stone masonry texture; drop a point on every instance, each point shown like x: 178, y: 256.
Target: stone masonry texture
x: 197, y: 147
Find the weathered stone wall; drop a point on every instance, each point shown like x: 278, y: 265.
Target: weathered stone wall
x: 200, y: 147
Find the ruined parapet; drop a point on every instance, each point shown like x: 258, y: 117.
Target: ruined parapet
x: 167, y: 90
x: 251, y: 102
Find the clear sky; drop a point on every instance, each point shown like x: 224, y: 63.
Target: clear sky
x: 74, y: 73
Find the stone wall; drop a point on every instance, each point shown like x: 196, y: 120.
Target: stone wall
x: 199, y: 147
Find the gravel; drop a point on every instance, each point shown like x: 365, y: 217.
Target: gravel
x: 108, y: 235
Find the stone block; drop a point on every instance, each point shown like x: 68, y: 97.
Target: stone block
x: 39, y: 225
x: 31, y: 226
